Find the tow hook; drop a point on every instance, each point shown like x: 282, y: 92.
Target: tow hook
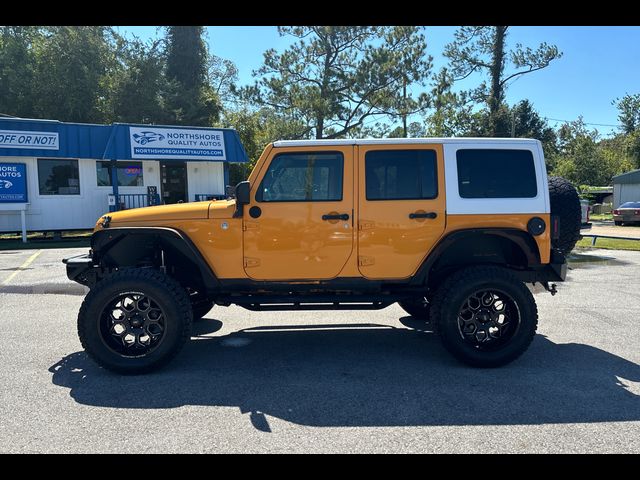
x: 550, y: 288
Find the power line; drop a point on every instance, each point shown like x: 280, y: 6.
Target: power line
x: 586, y: 123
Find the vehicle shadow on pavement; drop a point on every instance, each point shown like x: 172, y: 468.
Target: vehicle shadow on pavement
x: 367, y: 375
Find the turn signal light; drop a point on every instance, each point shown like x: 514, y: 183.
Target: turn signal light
x: 616, y: 212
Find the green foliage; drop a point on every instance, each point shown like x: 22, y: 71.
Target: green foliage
x: 17, y: 64
x: 71, y: 72
x: 333, y: 78
x: 92, y: 74
x: 585, y: 159
x: 452, y: 112
x: 190, y: 98
x: 186, y: 56
x: 629, y: 112
x: 257, y: 129
x: 482, y: 49
x: 138, y: 90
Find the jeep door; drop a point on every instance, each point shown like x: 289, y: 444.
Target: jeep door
x: 401, y: 207
x: 299, y: 223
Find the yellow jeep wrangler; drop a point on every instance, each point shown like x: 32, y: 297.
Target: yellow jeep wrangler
x: 451, y: 229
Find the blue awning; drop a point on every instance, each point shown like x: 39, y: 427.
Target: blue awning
x: 119, y: 141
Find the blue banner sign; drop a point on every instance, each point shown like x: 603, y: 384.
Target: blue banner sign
x: 13, y: 183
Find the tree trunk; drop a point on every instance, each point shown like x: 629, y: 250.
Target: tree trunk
x: 319, y: 127
x: 497, y: 66
x: 404, y: 108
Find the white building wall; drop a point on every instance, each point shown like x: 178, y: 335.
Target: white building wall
x: 625, y: 192
x: 68, y: 212
x: 205, y: 178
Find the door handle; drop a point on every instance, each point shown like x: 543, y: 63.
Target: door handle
x: 423, y: 215
x: 343, y: 216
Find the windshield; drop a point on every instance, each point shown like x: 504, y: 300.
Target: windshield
x: 630, y: 205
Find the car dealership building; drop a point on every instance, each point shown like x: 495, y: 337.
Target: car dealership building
x: 63, y: 176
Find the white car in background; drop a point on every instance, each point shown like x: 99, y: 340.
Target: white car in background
x: 586, y: 209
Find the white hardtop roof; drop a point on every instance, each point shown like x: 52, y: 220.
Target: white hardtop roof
x: 398, y: 141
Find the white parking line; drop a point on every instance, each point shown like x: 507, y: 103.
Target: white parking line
x: 21, y: 267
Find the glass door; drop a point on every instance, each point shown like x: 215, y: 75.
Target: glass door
x: 174, y: 182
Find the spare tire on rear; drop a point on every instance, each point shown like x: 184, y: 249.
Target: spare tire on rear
x: 565, y: 206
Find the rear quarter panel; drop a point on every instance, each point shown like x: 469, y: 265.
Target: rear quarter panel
x: 498, y: 212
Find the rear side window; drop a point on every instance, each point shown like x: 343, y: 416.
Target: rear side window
x: 400, y: 174
x: 303, y: 177
x: 496, y: 173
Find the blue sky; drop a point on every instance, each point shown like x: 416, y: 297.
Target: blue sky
x: 599, y: 64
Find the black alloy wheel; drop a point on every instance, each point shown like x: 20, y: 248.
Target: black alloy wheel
x: 485, y: 315
x: 135, y: 320
x: 488, y: 319
x: 132, y: 324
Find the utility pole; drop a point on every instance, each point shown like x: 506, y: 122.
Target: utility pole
x: 513, y: 124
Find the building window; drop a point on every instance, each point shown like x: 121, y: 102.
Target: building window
x: 493, y: 173
x: 401, y: 174
x: 129, y: 174
x: 58, y: 177
x: 303, y: 177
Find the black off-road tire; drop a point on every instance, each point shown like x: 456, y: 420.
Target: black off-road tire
x: 565, y: 204
x: 168, y: 295
x: 200, y: 310
x: 450, y: 298
x: 418, y: 308
x: 617, y: 224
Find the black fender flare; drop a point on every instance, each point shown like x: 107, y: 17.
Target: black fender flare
x: 105, y: 241
x: 520, y: 238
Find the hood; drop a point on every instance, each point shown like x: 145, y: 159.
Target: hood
x: 159, y: 214
x: 222, y: 208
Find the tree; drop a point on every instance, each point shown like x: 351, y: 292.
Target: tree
x: 17, y: 70
x: 452, y: 112
x: 629, y: 117
x: 223, y: 76
x: 73, y: 65
x: 629, y: 112
x: 190, y: 98
x: 482, y: 49
x: 186, y: 56
x: 138, y: 90
x: 586, y: 160
x: 527, y: 123
x: 333, y: 78
x: 257, y: 129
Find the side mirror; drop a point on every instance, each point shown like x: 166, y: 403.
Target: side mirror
x: 243, y: 197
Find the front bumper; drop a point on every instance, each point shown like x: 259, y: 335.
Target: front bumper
x: 81, y: 269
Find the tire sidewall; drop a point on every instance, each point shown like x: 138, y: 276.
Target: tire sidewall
x: 465, y: 351
x: 97, y: 301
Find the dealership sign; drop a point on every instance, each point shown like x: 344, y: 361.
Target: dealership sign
x: 13, y: 183
x: 176, y: 143
x: 21, y: 139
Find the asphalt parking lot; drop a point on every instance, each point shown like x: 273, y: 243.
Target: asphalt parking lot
x: 324, y: 381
